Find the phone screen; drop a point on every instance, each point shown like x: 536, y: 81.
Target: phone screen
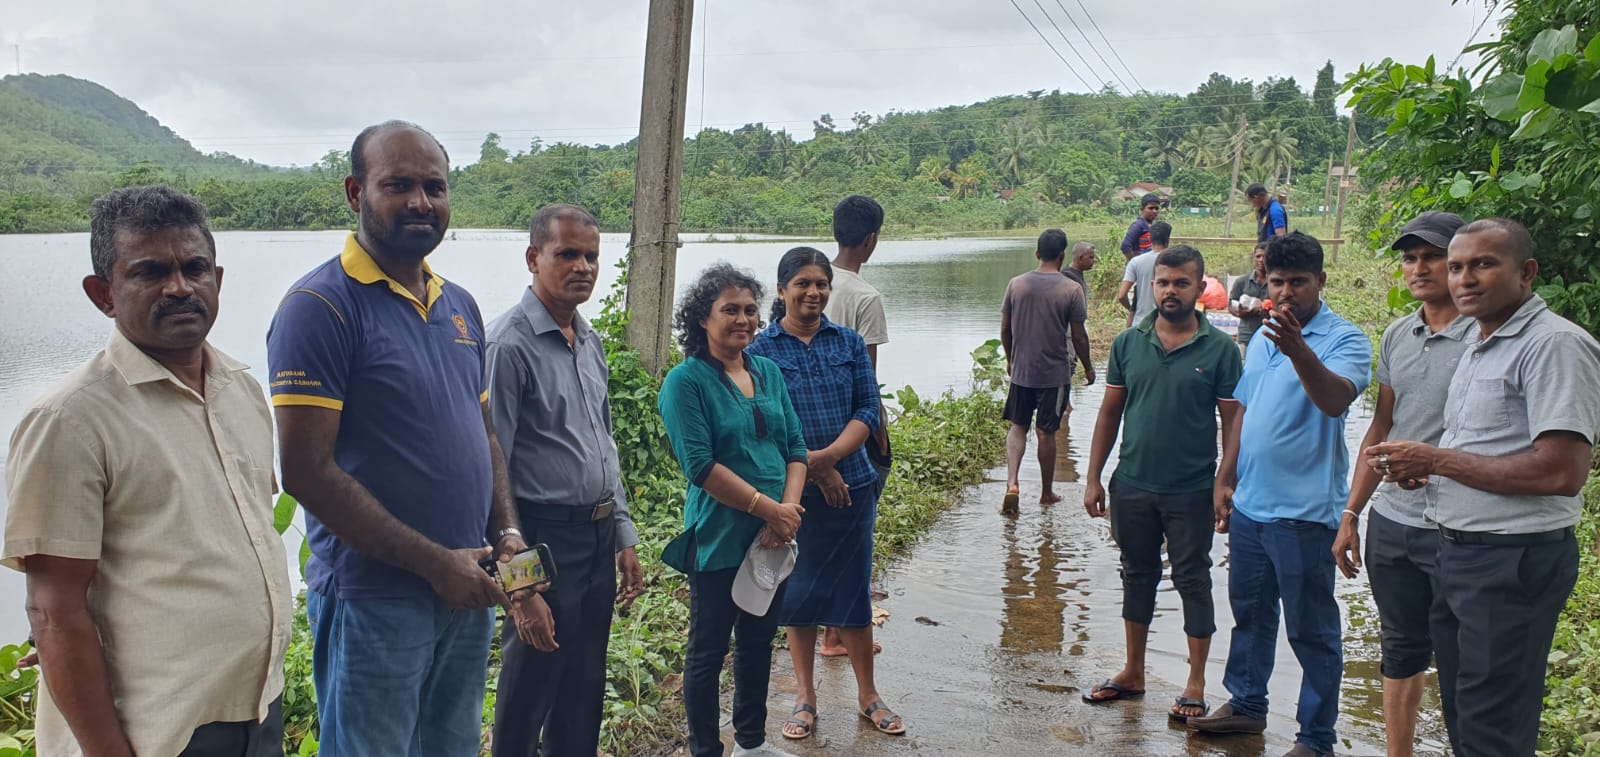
x: 525, y: 570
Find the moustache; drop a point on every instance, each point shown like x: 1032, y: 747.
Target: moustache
x: 177, y: 307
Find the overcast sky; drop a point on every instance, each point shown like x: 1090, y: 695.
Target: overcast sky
x: 284, y: 82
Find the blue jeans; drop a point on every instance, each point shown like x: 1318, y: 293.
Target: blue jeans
x: 398, y: 676
x: 1291, y: 561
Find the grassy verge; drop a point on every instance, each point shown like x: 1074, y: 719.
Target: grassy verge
x: 1570, y: 724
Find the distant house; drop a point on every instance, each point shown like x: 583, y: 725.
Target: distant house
x: 1133, y: 192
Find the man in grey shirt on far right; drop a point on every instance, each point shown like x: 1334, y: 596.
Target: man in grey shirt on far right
x: 551, y: 412
x: 1505, y: 486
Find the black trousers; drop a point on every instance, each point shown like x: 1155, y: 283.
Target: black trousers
x: 1492, y: 634
x: 1140, y: 522
x: 1401, y: 567
x: 245, y: 739
x: 712, y: 617
x: 551, y: 703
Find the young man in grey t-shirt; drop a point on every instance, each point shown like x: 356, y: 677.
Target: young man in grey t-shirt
x: 1417, y: 356
x: 1041, y: 309
x: 1135, y: 294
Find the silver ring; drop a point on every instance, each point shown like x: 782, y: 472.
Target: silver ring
x: 1383, y: 460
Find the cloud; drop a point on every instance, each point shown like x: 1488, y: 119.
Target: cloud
x: 285, y: 82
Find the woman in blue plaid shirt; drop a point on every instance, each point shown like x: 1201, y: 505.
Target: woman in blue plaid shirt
x: 835, y: 393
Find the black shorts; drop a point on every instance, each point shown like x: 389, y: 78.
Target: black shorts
x: 1024, y: 403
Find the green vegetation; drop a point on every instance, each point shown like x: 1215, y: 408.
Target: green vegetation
x: 1516, y: 137
x: 1009, y: 162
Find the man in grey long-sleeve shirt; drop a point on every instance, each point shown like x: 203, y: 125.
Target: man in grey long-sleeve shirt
x: 547, y: 394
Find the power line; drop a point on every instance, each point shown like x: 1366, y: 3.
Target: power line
x: 1488, y: 13
x: 1069, y: 44
x: 1109, y: 46
x: 1096, y: 51
x: 1053, y: 49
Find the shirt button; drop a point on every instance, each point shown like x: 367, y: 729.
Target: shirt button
x: 1425, y: 349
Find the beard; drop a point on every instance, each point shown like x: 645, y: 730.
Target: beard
x: 395, y: 238
x: 1184, y: 312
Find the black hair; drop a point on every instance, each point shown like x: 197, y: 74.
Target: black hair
x: 140, y: 210
x: 1259, y: 246
x: 1181, y: 255
x: 855, y: 218
x: 1148, y: 198
x: 790, y: 264
x: 1160, y: 233
x: 696, y: 304
x: 1052, y: 245
x: 540, y: 231
x: 1521, y: 242
x: 1255, y: 190
x: 358, y: 149
x: 1295, y: 251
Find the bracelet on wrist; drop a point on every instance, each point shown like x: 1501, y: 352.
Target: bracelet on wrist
x: 755, y: 499
x: 1352, y: 513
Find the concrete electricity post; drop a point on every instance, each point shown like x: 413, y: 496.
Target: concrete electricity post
x: 653, y: 247
x: 1233, y: 183
x: 1344, y: 184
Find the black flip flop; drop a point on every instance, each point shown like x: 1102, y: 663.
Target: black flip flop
x: 1117, y: 692
x: 1205, y: 709
x: 811, y: 726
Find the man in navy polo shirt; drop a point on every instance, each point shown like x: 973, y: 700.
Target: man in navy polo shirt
x: 1302, y: 370
x: 377, y: 376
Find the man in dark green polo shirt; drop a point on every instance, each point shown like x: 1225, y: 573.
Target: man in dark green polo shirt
x: 1168, y: 376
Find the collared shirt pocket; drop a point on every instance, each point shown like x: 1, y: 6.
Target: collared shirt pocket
x: 1486, y: 405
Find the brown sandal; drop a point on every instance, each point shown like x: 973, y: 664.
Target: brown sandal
x: 796, y: 721
x: 891, y: 724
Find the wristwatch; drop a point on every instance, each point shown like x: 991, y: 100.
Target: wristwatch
x: 504, y: 532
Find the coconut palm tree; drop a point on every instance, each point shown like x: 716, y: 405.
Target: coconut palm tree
x: 1014, y: 144
x: 1273, y: 146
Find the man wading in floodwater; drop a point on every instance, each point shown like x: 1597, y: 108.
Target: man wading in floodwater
x: 1041, y: 308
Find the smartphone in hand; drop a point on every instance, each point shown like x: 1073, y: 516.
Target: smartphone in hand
x: 532, y: 568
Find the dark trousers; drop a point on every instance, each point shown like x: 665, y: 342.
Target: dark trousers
x: 712, y: 617
x: 1140, y: 522
x: 551, y: 703
x: 1401, y: 565
x: 1492, y: 634
x: 246, y: 739
x: 1289, y: 561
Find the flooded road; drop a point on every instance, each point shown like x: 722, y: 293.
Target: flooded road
x: 997, y: 625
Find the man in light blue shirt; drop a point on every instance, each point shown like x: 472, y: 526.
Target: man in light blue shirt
x: 1303, y: 370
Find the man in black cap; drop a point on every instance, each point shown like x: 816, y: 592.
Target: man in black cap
x: 1418, y: 354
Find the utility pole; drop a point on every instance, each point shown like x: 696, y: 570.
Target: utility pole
x: 1327, y: 195
x: 1233, y: 183
x: 653, y: 248
x: 1344, y: 184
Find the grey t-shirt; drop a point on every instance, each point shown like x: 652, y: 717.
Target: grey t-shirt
x: 1417, y: 365
x: 1535, y: 374
x: 1141, y: 271
x: 857, y: 305
x: 1042, y: 307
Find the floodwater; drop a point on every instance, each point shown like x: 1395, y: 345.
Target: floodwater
x: 997, y: 625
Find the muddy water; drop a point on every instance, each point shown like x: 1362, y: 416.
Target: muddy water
x: 997, y: 626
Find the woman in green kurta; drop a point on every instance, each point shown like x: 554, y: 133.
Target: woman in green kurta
x: 738, y: 441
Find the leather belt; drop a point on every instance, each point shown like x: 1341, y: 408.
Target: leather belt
x: 1506, y: 540
x: 569, y: 513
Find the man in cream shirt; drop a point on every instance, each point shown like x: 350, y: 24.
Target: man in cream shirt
x: 141, y: 511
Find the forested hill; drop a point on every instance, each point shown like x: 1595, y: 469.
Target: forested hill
x: 1013, y: 161
x: 55, y: 124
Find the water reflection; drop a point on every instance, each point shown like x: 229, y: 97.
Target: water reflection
x: 1031, y: 617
